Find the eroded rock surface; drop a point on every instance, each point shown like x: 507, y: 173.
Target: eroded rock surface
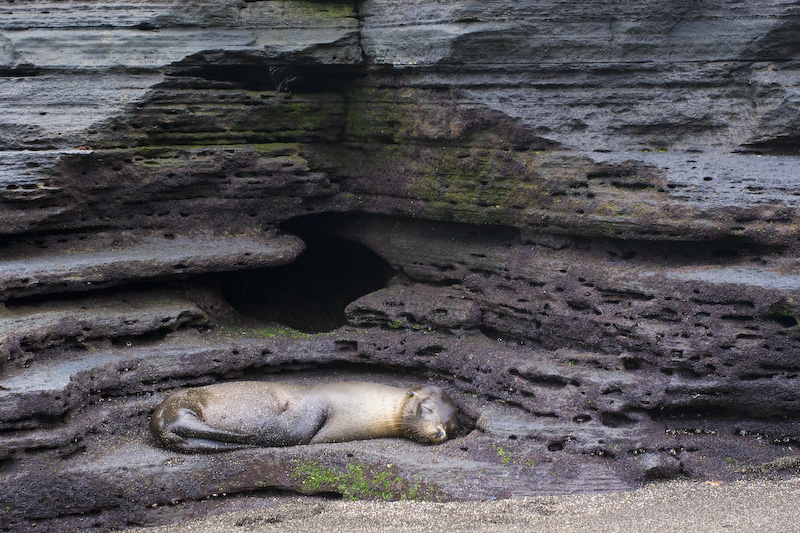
x: 580, y: 220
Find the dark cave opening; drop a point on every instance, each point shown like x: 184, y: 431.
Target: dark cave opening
x: 254, y: 73
x: 311, y: 293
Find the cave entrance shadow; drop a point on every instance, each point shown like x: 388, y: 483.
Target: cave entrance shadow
x: 311, y: 293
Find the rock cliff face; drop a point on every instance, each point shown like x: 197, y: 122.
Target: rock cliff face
x: 580, y: 219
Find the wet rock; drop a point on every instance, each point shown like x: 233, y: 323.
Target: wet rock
x: 657, y: 465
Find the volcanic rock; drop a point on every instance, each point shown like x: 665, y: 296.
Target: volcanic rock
x: 579, y: 219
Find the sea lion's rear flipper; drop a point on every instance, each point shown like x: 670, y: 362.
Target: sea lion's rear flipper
x: 187, y: 432
x: 194, y: 445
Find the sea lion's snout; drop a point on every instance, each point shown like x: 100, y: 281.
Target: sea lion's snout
x: 434, y: 436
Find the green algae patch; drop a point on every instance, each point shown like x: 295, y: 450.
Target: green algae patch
x: 206, y: 116
x: 267, y: 331
x: 452, y: 161
x: 357, y: 481
x: 783, y: 312
x: 279, y: 331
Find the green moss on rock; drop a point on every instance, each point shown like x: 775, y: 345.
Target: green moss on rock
x: 355, y: 482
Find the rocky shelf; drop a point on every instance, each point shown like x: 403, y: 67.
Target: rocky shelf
x: 81, y: 262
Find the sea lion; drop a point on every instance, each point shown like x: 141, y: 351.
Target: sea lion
x: 234, y: 415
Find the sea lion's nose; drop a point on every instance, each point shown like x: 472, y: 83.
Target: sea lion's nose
x: 441, y: 434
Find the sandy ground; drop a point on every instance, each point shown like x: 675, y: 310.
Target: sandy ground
x: 760, y: 505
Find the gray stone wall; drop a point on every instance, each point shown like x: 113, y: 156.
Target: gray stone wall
x: 580, y: 219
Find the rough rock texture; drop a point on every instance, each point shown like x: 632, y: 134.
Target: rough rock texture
x: 580, y: 219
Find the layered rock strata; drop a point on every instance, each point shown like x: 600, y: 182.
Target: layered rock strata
x: 578, y: 219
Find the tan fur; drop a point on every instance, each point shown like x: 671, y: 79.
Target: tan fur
x: 255, y: 413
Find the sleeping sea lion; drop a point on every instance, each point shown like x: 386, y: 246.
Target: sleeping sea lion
x: 234, y: 415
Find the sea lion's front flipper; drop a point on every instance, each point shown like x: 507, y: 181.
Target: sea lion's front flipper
x: 294, y: 426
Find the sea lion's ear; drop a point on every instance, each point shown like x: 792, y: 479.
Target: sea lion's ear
x: 411, y: 393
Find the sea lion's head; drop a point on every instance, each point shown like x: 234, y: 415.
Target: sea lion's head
x: 430, y: 415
